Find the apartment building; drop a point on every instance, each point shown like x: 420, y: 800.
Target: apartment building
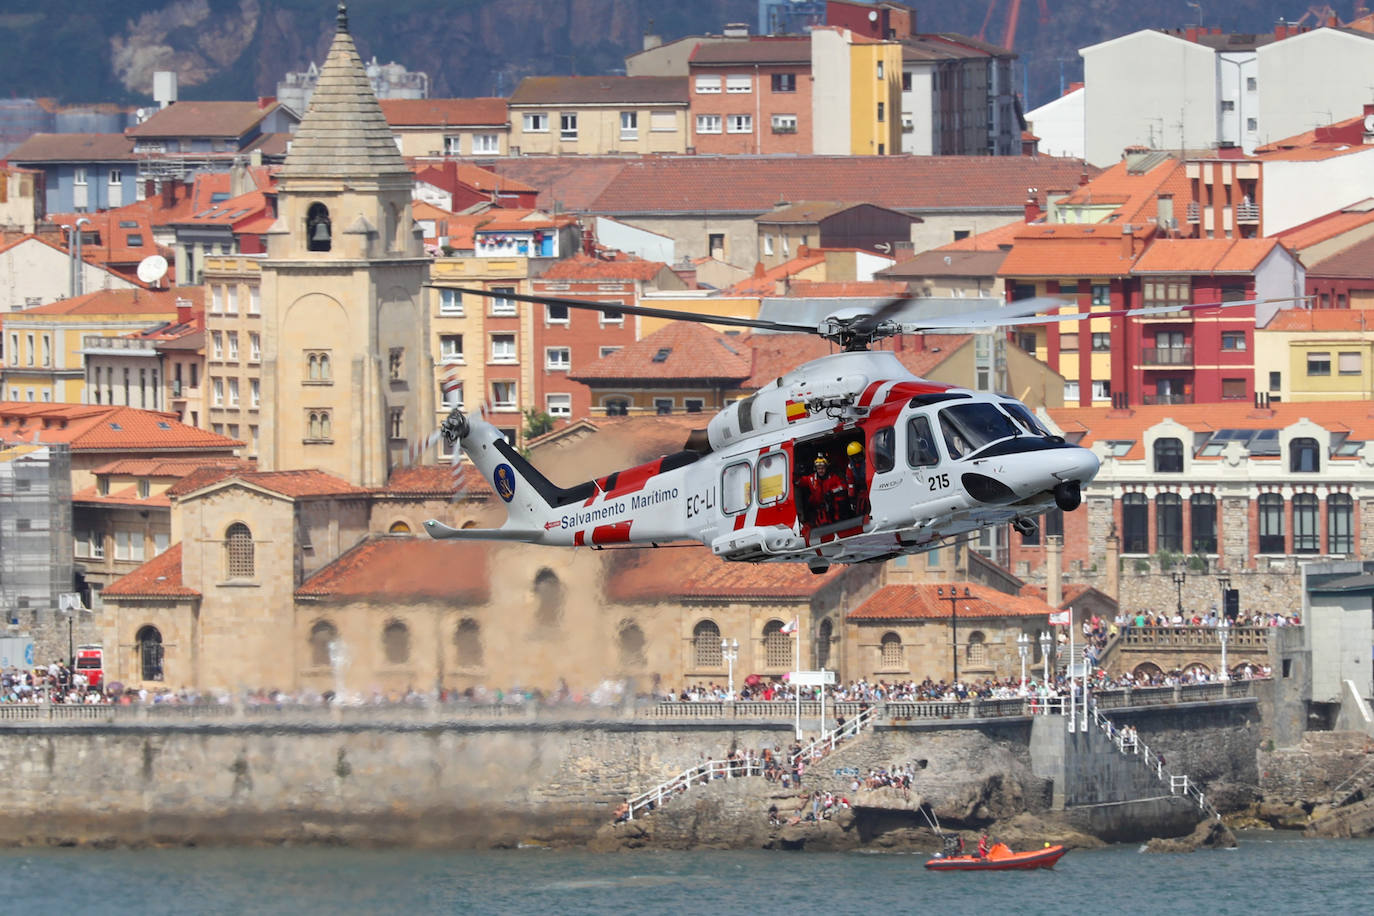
x: 596, y: 115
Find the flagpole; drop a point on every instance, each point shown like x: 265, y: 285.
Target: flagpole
x: 796, y: 670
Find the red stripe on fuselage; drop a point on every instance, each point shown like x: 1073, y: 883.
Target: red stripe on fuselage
x: 870, y: 392
x: 905, y: 390
x: 579, y: 538
x: 619, y: 533
x: 630, y: 480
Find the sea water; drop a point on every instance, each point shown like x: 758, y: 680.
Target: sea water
x: 1268, y: 873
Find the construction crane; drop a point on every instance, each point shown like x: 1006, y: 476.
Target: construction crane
x: 1013, y: 16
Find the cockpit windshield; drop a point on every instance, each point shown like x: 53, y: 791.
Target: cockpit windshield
x: 969, y: 427
x: 1021, y: 415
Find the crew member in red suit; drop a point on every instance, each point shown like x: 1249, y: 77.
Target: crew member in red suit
x: 856, y: 480
x: 822, y: 494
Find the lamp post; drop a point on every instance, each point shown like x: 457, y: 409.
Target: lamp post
x: 1179, y: 578
x: 1045, y: 641
x: 1224, y: 634
x: 953, y: 599
x: 729, y: 650
x: 1023, y: 644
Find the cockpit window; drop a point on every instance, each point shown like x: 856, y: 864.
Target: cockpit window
x: 1021, y: 415
x: 969, y: 427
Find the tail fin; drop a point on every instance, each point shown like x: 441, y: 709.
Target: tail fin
x: 530, y: 497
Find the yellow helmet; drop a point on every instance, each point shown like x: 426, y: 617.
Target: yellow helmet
x: 854, y: 448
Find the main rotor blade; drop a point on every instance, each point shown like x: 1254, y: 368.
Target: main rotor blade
x: 990, y: 318
x: 866, y: 324
x: 644, y: 310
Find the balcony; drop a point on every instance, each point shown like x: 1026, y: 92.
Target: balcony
x: 1166, y: 356
x: 1166, y: 399
x: 1194, y: 212
x: 96, y: 343
x: 1247, y: 212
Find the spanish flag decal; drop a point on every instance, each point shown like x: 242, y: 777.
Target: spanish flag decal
x: 796, y: 410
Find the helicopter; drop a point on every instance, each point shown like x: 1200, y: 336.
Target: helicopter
x: 849, y: 458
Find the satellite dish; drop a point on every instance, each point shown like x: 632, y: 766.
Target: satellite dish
x: 152, y: 269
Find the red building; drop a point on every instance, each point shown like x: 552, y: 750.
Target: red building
x: 751, y: 96
x: 565, y: 340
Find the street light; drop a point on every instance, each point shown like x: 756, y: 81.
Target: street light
x: 1023, y: 644
x: 1045, y: 640
x: 1224, y: 634
x: 953, y: 599
x: 1179, y: 578
x: 729, y: 650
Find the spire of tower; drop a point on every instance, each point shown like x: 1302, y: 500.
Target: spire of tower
x: 344, y: 133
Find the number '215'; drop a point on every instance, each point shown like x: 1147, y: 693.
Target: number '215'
x: 939, y: 481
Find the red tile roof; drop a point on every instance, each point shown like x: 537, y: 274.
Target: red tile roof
x: 1328, y: 226
x: 297, y: 484
x: 992, y: 240
x: 1204, y: 256
x: 839, y: 289
x: 757, y: 49
x: 160, y: 577
x: 73, y: 147
x: 679, y: 351
x: 754, y: 184
x: 1136, y: 189
x: 125, y: 496
x: 1321, y: 320
x: 587, y: 90
x: 1071, y: 592
x: 1352, y: 262
x: 932, y: 602
x: 1068, y: 251
x: 203, y: 119
x: 436, y: 481
x: 766, y: 284
x: 583, y: 267
x: 693, y: 572
x: 124, y: 302
x: 97, y: 428
x: 473, y: 112
x: 804, y: 211
x: 392, y: 569
x: 168, y: 467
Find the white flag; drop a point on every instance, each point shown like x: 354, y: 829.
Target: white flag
x: 790, y: 627
x: 1060, y: 619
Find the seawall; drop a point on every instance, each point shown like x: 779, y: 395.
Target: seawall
x: 461, y: 783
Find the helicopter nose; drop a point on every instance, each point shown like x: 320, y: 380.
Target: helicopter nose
x: 1083, y: 466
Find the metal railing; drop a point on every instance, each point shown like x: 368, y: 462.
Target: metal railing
x: 824, y: 744
x: 701, y: 774
x: 890, y: 711
x: 1129, y: 743
x: 1166, y: 356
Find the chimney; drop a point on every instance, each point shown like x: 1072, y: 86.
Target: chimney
x: 1280, y: 30
x: 1032, y: 205
x: 1128, y: 241
x: 183, y: 311
x: 1054, y: 564
x: 759, y: 270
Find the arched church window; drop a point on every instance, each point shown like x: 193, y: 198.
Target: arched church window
x: 148, y: 644
x: 238, y: 551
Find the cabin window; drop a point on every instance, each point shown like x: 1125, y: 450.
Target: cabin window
x: 883, y: 448
x: 772, y: 472
x: 736, y: 488
x: 920, y: 443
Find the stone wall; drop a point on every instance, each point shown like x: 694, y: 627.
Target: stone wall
x: 479, y: 784
x: 1145, y: 586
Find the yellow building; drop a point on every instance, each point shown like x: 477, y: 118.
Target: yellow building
x: 596, y: 115
x: 43, y: 358
x: 231, y: 396
x: 1316, y: 355
x: 347, y: 378
x: 857, y: 94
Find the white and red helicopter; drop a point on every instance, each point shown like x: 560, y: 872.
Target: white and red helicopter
x: 935, y: 461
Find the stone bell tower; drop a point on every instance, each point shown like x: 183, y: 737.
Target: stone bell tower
x: 347, y: 373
